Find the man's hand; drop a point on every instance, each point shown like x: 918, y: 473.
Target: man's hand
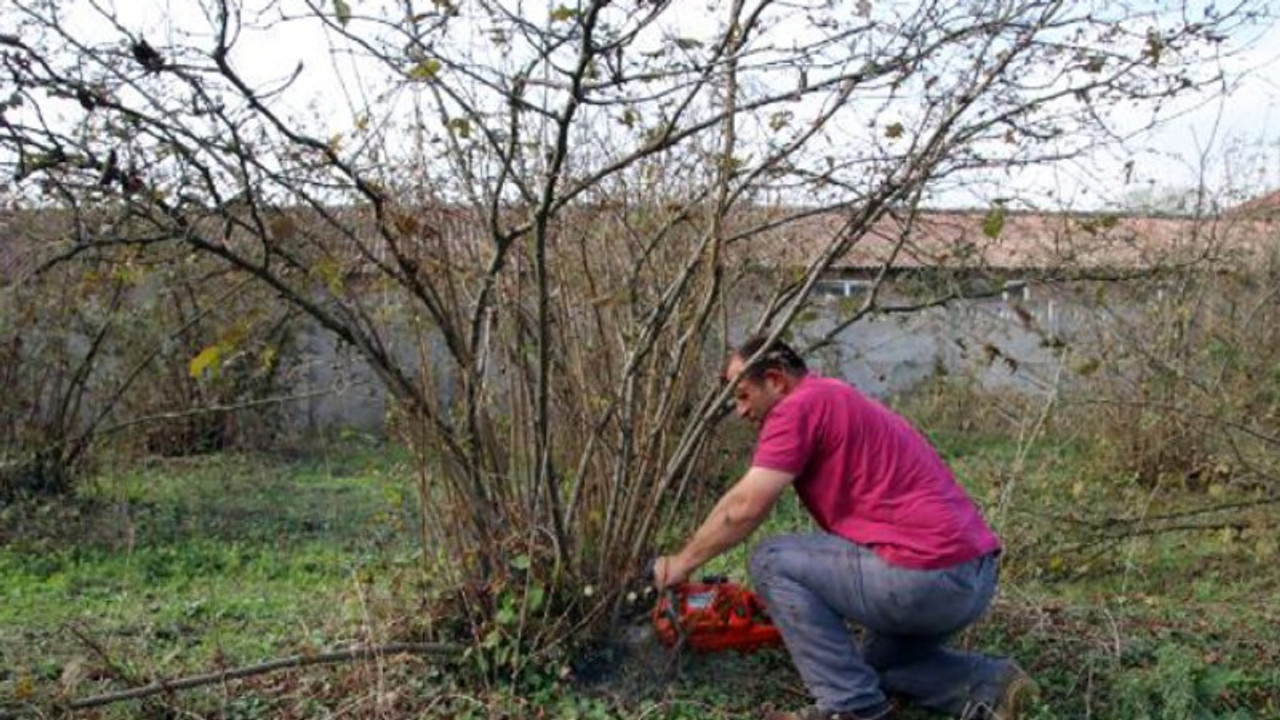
x: 668, y: 571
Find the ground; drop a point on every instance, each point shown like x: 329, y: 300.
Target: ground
x: 165, y: 568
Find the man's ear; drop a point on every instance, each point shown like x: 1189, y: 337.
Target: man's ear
x: 775, y: 379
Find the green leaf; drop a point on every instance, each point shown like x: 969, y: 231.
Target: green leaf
x: 1155, y: 47
x: 688, y: 43
x: 208, y: 359
x: 993, y: 223
x: 563, y: 13
x: 506, y: 616
x: 1227, y: 535
x: 460, y: 127
x: 520, y: 562
x: 537, y: 596
x: 1264, y: 548
x: 331, y: 274
x: 342, y: 11
x: 1088, y: 366
x: 492, y: 639
x: 426, y: 70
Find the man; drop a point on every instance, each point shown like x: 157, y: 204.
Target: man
x: 904, y: 553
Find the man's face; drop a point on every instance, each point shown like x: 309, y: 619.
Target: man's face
x: 752, y: 399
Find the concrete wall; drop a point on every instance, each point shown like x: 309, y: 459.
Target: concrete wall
x: 1004, y: 343
x: 987, y: 340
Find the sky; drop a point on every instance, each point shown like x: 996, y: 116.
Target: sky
x: 1229, y: 141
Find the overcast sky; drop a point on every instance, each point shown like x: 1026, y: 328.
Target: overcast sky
x: 1230, y: 141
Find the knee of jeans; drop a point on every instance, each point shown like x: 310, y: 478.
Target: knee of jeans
x: 761, y: 567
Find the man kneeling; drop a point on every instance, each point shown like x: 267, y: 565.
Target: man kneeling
x: 904, y: 554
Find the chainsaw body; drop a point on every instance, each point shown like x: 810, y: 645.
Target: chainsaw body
x: 712, y: 616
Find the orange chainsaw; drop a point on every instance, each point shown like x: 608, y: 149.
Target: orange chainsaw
x: 712, y: 616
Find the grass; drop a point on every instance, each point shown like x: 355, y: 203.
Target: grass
x: 175, y: 567
x: 1119, y: 610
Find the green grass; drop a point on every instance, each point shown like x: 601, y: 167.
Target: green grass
x: 1170, y: 625
x: 176, y: 567
x: 1176, y: 625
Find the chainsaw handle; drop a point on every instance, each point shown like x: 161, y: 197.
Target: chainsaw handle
x: 672, y: 614
x: 667, y: 601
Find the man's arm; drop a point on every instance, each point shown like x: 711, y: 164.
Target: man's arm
x: 734, y: 517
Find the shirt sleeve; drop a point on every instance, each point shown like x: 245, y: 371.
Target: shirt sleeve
x: 785, y: 440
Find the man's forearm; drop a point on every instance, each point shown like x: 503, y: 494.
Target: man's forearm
x: 729, y: 523
x: 734, y: 517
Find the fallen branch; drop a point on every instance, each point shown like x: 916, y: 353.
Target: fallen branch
x: 118, y: 672
x: 194, y: 681
x: 1114, y: 523
x: 1103, y: 546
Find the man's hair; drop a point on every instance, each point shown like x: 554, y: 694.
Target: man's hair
x: 778, y: 356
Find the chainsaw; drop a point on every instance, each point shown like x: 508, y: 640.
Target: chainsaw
x: 713, y: 616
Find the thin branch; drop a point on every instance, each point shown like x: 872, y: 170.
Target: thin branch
x: 1152, y: 532
x: 195, y: 681
x: 1105, y: 524
x: 177, y: 414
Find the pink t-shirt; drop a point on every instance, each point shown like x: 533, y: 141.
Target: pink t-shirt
x: 866, y: 475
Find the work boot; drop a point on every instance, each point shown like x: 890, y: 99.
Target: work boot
x: 812, y: 712
x: 1014, y: 693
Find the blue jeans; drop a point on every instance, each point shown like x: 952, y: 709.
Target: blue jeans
x: 816, y: 583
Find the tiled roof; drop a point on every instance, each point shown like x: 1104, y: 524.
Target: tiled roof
x: 448, y: 237
x: 971, y: 240
x: 1261, y: 206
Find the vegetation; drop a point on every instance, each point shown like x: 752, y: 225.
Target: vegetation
x: 177, y: 566
x: 537, y: 228
x: 162, y: 355
x: 541, y: 231
x: 180, y: 566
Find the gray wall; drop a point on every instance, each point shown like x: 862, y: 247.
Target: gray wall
x: 988, y: 340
